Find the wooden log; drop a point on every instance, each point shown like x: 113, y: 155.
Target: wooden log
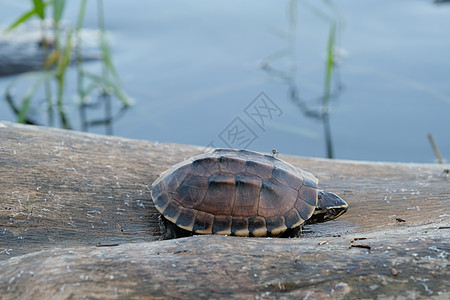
x: 76, y: 220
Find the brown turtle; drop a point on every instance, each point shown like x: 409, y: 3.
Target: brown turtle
x: 242, y: 193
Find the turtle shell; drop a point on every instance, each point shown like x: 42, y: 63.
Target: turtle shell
x: 235, y: 192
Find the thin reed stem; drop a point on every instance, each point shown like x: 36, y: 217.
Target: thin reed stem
x: 47, y: 84
x: 327, y: 92
x: 106, y: 97
x: 435, y: 149
x: 79, y: 65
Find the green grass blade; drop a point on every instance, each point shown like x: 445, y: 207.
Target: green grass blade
x: 39, y: 78
x: 124, y: 99
x: 68, y: 50
x: 327, y: 90
x: 104, y: 45
x: 330, y: 47
x: 90, y: 88
x: 24, y: 76
x: 293, y: 12
x: 81, y: 14
x: 26, y: 103
x: 21, y: 20
x: 39, y: 8
x: 64, y: 61
x: 329, y: 64
x: 106, y: 55
x: 58, y: 10
x: 101, y: 81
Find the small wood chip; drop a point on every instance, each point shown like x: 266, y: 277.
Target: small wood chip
x: 99, y: 244
x: 361, y: 246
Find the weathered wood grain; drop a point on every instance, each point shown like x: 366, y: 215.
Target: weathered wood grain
x: 65, y: 193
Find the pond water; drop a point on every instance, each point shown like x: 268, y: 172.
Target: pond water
x: 194, y: 70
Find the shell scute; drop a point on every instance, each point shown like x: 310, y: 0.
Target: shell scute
x: 261, y: 170
x: 161, y: 201
x: 173, y: 180
x: 293, y: 219
x: 306, y: 202
x: 222, y: 225
x: 239, y: 226
x: 220, y: 195
x: 230, y: 165
x: 203, y: 223
x: 308, y: 179
x: 186, y: 218
x: 191, y: 191
x: 257, y: 226
x: 275, y: 225
x: 287, y: 178
x: 308, y: 195
x: 204, y: 166
x: 275, y: 199
x: 172, y: 211
x: 246, y: 188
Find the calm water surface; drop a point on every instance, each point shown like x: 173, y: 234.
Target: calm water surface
x: 194, y: 71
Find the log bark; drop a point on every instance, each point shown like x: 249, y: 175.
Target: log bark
x: 76, y: 220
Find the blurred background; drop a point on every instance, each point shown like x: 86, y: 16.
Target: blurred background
x: 361, y: 80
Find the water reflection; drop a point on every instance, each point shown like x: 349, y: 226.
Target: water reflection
x: 317, y: 108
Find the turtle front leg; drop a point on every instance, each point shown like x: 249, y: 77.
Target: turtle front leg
x: 292, y: 232
x: 170, y: 230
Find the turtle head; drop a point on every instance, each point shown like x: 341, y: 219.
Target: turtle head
x: 329, y: 207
